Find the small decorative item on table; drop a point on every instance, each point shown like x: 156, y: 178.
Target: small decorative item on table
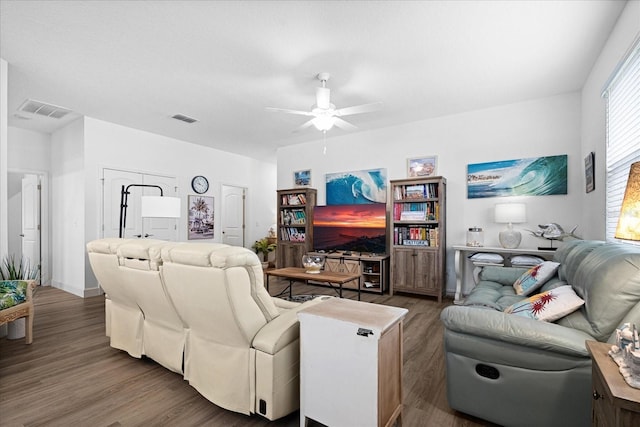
x: 626, y: 354
x: 313, y: 263
x: 475, y: 237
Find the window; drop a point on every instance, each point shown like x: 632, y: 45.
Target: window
x: 623, y: 132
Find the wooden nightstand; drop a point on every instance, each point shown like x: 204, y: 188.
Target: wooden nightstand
x: 615, y: 403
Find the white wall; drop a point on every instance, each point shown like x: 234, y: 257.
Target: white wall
x: 108, y: 145
x: 541, y: 127
x: 4, y: 86
x: 68, y: 208
x: 593, y: 130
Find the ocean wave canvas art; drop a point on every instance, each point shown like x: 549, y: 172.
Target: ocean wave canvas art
x: 357, y: 188
x: 537, y: 176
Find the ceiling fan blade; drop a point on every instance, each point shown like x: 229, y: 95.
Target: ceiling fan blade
x: 285, y: 110
x: 342, y: 124
x: 359, y: 109
x: 323, y: 95
x: 303, y: 126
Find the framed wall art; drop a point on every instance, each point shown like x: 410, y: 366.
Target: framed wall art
x: 302, y: 178
x: 537, y: 176
x: 590, y: 171
x: 200, y: 218
x: 357, y: 187
x: 422, y: 166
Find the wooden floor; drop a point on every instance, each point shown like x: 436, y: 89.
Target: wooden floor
x: 70, y: 376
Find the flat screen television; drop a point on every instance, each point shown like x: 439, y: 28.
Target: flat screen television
x: 354, y: 228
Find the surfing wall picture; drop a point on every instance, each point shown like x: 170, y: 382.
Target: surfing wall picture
x: 357, y: 188
x: 537, y: 176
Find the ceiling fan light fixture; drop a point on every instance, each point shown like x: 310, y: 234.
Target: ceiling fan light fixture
x: 323, y: 123
x: 323, y: 98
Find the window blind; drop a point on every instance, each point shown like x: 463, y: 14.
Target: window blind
x: 622, y: 132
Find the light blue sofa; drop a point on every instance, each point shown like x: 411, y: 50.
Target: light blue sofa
x: 517, y: 371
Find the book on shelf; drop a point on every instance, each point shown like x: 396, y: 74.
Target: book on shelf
x: 294, y: 199
x: 292, y: 234
x: 413, y: 216
x: 416, y: 191
x: 415, y: 236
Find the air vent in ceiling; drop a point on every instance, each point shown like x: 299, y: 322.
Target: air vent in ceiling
x: 43, y: 109
x: 184, y: 118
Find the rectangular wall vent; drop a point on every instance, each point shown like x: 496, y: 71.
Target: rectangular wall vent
x: 43, y: 109
x: 184, y: 118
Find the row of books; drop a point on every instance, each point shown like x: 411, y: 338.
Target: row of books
x: 292, y: 234
x: 293, y: 217
x: 294, y: 199
x: 417, y: 191
x: 424, y: 211
x: 415, y: 236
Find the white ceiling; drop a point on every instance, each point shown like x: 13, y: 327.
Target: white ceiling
x: 137, y: 63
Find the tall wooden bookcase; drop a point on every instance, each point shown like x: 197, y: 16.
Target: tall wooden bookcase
x: 295, y: 225
x: 417, y: 230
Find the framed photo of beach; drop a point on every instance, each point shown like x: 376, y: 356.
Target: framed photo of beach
x: 302, y: 178
x: 422, y: 166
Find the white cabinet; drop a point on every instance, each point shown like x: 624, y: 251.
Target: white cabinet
x: 351, y: 363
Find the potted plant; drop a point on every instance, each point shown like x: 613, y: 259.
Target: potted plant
x: 264, y: 246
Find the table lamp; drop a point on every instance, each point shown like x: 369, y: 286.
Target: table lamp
x: 629, y: 220
x: 510, y: 213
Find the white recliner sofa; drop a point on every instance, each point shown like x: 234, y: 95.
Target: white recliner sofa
x: 201, y: 309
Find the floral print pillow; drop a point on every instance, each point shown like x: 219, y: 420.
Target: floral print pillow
x: 548, y: 306
x: 12, y: 292
x: 535, y: 277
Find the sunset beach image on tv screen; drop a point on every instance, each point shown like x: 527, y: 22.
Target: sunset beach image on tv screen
x: 357, y: 228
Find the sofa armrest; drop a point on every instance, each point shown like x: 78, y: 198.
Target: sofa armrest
x: 282, y: 330
x: 499, y: 326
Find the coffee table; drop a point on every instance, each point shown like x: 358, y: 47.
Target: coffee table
x: 334, y: 279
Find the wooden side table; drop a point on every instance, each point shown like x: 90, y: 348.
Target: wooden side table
x: 615, y: 403
x: 351, y: 363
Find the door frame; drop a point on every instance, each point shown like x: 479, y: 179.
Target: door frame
x: 45, y: 233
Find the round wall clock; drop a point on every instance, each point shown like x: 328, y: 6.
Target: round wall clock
x: 200, y: 184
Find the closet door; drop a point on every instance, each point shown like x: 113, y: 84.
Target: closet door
x: 136, y: 226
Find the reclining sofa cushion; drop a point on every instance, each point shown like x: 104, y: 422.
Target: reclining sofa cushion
x: 163, y: 336
x: 609, y: 282
x: 223, y: 256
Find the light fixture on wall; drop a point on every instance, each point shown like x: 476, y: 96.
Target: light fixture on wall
x: 150, y: 206
x: 629, y: 220
x: 510, y: 213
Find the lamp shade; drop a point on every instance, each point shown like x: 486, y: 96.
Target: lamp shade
x: 160, y: 207
x: 510, y: 213
x: 629, y: 220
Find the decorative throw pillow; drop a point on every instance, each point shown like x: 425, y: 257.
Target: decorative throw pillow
x: 12, y: 292
x: 487, y: 257
x: 535, y: 277
x: 525, y: 260
x: 548, y: 306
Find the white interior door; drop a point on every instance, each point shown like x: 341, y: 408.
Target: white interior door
x: 30, y: 232
x: 232, y: 218
x: 136, y: 226
x: 160, y: 228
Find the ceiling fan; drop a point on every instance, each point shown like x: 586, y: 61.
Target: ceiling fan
x: 324, y: 113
